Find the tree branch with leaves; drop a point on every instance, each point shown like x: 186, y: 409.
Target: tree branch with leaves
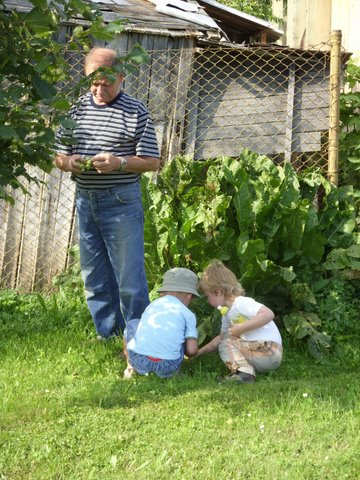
x: 36, y: 80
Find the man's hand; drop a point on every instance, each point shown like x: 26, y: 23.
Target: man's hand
x: 106, y: 162
x: 68, y: 163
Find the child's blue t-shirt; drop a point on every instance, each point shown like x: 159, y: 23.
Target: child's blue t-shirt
x: 163, y: 328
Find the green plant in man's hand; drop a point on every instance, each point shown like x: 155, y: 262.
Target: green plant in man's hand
x: 86, y: 164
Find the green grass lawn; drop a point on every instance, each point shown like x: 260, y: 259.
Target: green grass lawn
x: 67, y: 414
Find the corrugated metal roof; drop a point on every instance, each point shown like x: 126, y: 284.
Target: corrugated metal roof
x: 177, y: 14
x: 189, y: 11
x: 245, y: 23
x: 191, y: 16
x: 273, y: 49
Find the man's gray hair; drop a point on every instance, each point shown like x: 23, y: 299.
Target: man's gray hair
x: 103, y: 57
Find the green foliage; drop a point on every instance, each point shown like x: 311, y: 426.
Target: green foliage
x: 305, y: 325
x: 264, y: 222
x: 339, y: 307
x: 258, y: 8
x: 70, y: 283
x: 33, y: 63
x: 350, y: 127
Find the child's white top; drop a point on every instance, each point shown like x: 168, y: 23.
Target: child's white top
x: 248, y: 308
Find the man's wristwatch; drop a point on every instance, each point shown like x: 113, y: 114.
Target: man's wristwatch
x: 123, y: 164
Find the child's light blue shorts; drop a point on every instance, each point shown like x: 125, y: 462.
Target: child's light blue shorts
x: 144, y: 364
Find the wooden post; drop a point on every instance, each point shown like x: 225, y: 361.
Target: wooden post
x: 334, y: 107
x: 290, y: 114
x: 263, y: 37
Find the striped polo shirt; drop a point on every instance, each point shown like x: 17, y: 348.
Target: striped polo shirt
x: 122, y: 128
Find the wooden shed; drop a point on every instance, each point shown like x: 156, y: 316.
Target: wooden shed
x: 211, y: 95
x: 216, y: 84
x: 172, y: 32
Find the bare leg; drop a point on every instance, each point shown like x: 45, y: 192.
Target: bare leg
x: 129, y: 372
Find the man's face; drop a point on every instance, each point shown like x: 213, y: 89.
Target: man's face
x: 104, y: 91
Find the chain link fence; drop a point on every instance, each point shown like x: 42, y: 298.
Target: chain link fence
x: 206, y: 102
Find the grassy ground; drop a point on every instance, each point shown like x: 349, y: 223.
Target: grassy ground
x: 66, y: 413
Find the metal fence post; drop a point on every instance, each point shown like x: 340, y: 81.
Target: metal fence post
x: 334, y: 106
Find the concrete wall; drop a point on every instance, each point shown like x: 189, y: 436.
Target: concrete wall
x: 345, y: 17
x: 310, y: 22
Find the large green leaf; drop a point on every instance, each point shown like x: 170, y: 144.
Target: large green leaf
x: 44, y: 89
x: 137, y: 54
x: 354, y: 251
x: 319, y: 345
x: 301, y: 295
x: 341, y: 258
x: 39, y: 21
x: 7, y: 132
x: 301, y: 324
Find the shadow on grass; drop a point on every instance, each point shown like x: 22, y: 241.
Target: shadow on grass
x: 69, y: 350
x: 279, y: 390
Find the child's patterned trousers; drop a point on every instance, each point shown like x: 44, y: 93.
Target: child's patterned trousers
x: 249, y: 357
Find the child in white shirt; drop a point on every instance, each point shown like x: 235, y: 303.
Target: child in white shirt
x: 249, y: 340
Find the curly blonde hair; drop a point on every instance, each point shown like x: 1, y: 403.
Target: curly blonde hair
x: 217, y: 276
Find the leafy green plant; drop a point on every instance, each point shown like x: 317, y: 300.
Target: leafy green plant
x: 306, y: 325
x: 350, y: 127
x: 264, y: 221
x: 258, y: 8
x: 339, y: 306
x: 70, y: 280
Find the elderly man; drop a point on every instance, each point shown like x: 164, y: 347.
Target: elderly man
x: 116, y: 133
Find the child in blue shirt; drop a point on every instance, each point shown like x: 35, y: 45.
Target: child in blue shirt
x: 166, y: 330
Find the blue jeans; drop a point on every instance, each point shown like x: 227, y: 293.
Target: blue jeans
x: 111, y: 238
x: 143, y: 364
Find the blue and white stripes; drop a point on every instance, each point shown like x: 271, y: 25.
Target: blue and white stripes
x: 122, y: 127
